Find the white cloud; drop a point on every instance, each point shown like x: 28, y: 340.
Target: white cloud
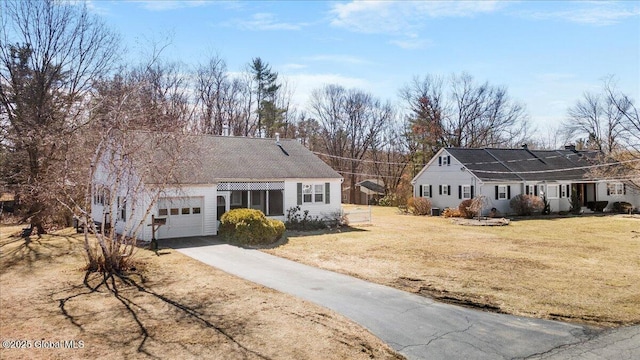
x: 412, y: 43
x: 264, y: 22
x: 286, y: 67
x: 402, y: 16
x: 342, y: 59
x: 598, y: 14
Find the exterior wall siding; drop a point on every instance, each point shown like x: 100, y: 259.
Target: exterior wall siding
x: 319, y: 209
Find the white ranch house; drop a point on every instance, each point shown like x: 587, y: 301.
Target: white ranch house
x: 456, y: 174
x: 220, y: 173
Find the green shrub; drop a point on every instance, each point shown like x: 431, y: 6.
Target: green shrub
x: 419, y: 206
x: 388, y: 200
x: 575, y: 202
x: 250, y: 227
x: 525, y: 205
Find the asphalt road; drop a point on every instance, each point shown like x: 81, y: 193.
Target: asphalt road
x: 415, y: 326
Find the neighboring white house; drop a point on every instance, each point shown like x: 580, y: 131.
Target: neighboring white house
x: 456, y: 174
x: 214, y: 174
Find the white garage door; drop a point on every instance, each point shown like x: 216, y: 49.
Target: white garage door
x: 184, y: 217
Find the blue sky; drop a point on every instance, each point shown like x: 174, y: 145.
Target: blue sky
x: 546, y: 53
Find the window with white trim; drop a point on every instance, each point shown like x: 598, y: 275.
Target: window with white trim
x: 318, y: 195
x: 445, y: 190
x: 502, y: 192
x: 445, y: 160
x: 552, y: 191
x: 615, y: 189
x: 307, y: 193
x: 563, y: 191
x: 425, y: 190
x: 466, y: 191
x: 313, y: 193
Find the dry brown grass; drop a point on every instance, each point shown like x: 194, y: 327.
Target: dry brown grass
x: 582, y: 269
x: 170, y: 307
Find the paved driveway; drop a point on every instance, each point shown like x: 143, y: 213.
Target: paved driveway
x: 415, y: 326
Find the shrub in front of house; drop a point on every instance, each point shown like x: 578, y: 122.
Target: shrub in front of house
x: 419, y: 206
x: 525, y: 205
x: 297, y: 220
x: 621, y: 207
x: 465, y: 209
x: 471, y: 208
x: 449, y: 212
x: 597, y: 206
x: 388, y: 200
x: 250, y: 227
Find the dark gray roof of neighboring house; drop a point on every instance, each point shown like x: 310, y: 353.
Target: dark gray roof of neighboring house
x: 371, y: 185
x: 525, y: 164
x: 208, y: 159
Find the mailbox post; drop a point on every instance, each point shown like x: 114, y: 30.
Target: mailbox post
x: 155, y: 224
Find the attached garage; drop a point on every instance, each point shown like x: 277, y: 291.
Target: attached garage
x: 184, y: 217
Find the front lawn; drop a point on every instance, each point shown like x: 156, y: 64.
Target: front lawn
x: 581, y: 269
x: 169, y: 307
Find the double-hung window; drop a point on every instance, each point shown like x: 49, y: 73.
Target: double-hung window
x: 466, y: 191
x: 615, y: 189
x: 307, y: 193
x: 426, y: 190
x: 318, y: 193
x: 502, y: 192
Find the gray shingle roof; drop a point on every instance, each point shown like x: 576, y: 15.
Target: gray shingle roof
x: 524, y: 164
x: 208, y: 159
x: 371, y: 185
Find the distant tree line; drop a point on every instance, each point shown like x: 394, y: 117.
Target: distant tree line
x: 64, y: 89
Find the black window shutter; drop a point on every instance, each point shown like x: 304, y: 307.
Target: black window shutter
x: 568, y: 190
x: 421, y: 190
x: 299, y: 193
x: 448, y: 160
x: 497, y: 192
x: 459, y: 191
x: 448, y: 189
x: 624, y: 189
x: 430, y: 191
x: 327, y: 193
x: 535, y: 190
x: 472, y: 191
x: 526, y: 189
x: 440, y: 161
x: 608, y: 190
x: 509, y: 192
x: 440, y: 189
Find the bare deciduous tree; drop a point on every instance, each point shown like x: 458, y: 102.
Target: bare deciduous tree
x: 468, y: 115
x: 50, y: 54
x: 596, y: 119
x: 351, y: 123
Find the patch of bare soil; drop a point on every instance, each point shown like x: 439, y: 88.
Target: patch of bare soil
x: 170, y: 307
x: 481, y: 222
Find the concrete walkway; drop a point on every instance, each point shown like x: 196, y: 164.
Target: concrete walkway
x: 415, y: 326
